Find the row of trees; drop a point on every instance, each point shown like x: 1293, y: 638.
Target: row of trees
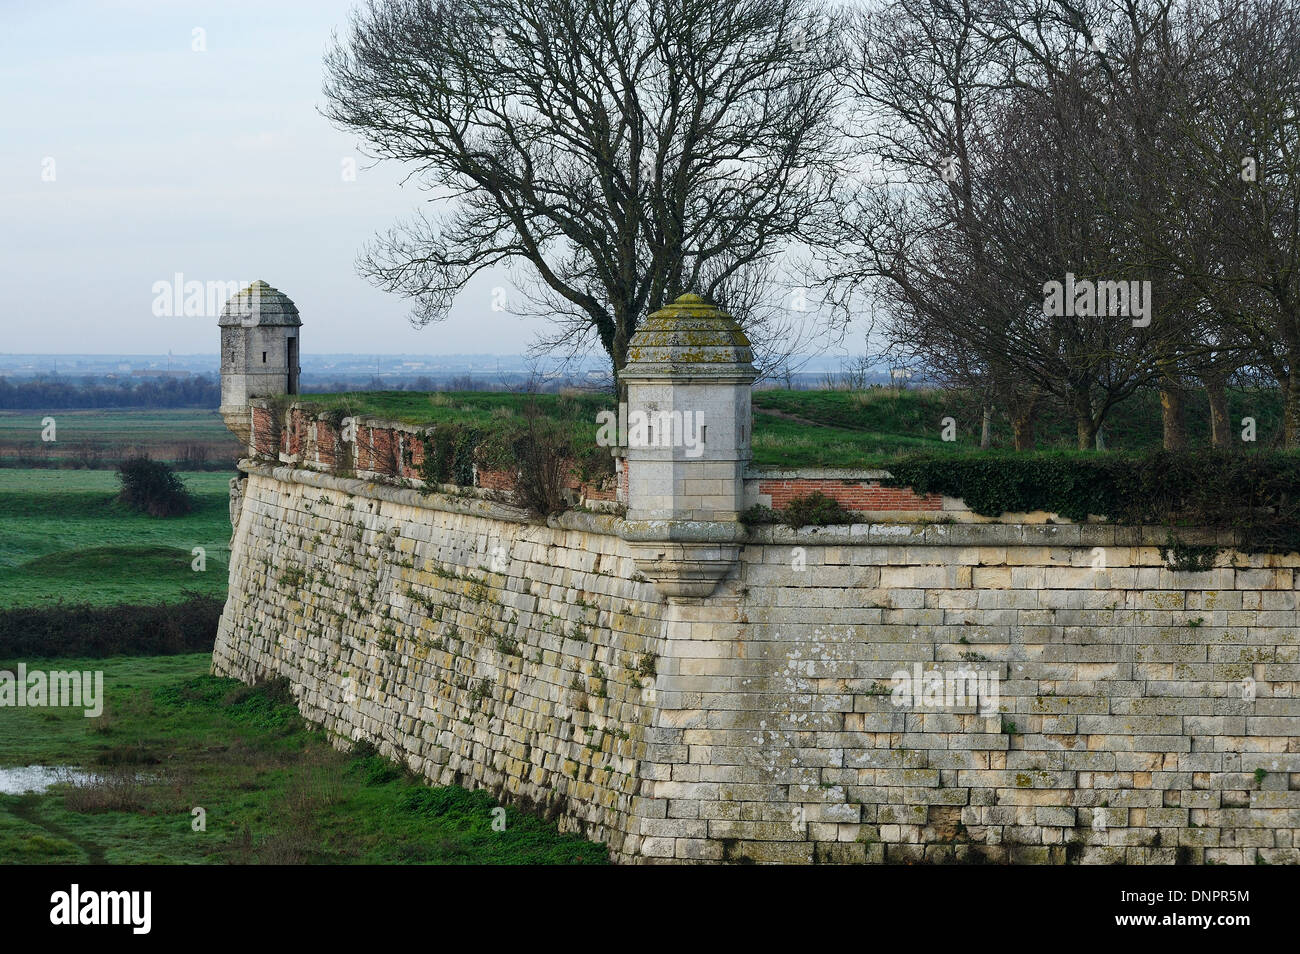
x: 1123, y: 140
x: 45, y: 394
x: 936, y: 161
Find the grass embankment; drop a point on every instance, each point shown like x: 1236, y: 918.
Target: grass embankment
x: 64, y: 537
x: 839, y: 429
x: 173, y: 738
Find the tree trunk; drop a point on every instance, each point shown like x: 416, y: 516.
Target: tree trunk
x: 1085, y: 427
x: 1172, y: 418
x: 1291, y: 417
x: 1022, y: 431
x: 1101, y: 438
x: 986, y: 428
x: 1217, y: 392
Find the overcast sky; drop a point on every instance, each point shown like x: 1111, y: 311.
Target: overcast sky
x: 215, y: 165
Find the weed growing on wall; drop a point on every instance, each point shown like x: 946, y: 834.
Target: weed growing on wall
x: 810, y: 510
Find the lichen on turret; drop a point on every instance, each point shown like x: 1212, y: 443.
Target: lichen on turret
x: 259, y: 305
x: 688, y: 337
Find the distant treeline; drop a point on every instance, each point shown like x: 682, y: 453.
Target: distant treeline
x: 88, y: 392
x: 46, y: 394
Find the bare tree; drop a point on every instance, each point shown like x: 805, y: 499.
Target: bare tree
x: 1235, y: 161
x: 613, y: 153
x: 1022, y: 135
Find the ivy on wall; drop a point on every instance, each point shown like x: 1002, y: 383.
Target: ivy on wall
x: 449, y: 455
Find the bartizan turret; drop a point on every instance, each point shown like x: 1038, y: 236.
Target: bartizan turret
x: 689, y: 376
x: 259, y: 352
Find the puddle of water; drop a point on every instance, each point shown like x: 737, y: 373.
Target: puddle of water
x: 38, y: 778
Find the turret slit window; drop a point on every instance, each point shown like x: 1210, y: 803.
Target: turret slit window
x: 264, y: 357
x: 291, y: 360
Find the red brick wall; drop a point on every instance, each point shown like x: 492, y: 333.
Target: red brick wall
x: 378, y: 450
x: 592, y: 492
x: 495, y: 479
x: 264, y: 431
x: 860, y: 495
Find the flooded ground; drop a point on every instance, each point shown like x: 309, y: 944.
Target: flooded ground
x: 38, y: 778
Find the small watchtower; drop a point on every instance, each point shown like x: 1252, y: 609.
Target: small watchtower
x: 259, y: 351
x: 689, y: 375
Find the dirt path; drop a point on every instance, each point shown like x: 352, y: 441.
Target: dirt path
x: 785, y: 415
x: 27, y: 808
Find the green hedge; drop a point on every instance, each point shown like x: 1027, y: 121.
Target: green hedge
x: 1257, y: 495
x: 42, y: 632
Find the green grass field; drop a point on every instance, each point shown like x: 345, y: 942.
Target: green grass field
x: 173, y: 738
x: 130, y: 426
x: 64, y: 537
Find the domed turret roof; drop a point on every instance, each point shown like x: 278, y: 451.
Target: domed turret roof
x: 259, y: 305
x: 689, y: 338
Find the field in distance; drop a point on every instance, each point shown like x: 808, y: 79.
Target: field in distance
x: 792, y: 429
x: 191, y: 437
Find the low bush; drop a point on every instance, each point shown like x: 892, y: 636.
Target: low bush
x: 152, y: 487
x: 815, y: 510
x: 108, y: 790
x: 542, y: 454
x: 811, y: 510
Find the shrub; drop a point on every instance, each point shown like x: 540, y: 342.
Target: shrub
x: 543, y: 459
x: 757, y: 516
x: 151, y: 487
x: 815, y: 510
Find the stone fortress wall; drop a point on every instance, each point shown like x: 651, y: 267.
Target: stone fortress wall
x: 688, y: 690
